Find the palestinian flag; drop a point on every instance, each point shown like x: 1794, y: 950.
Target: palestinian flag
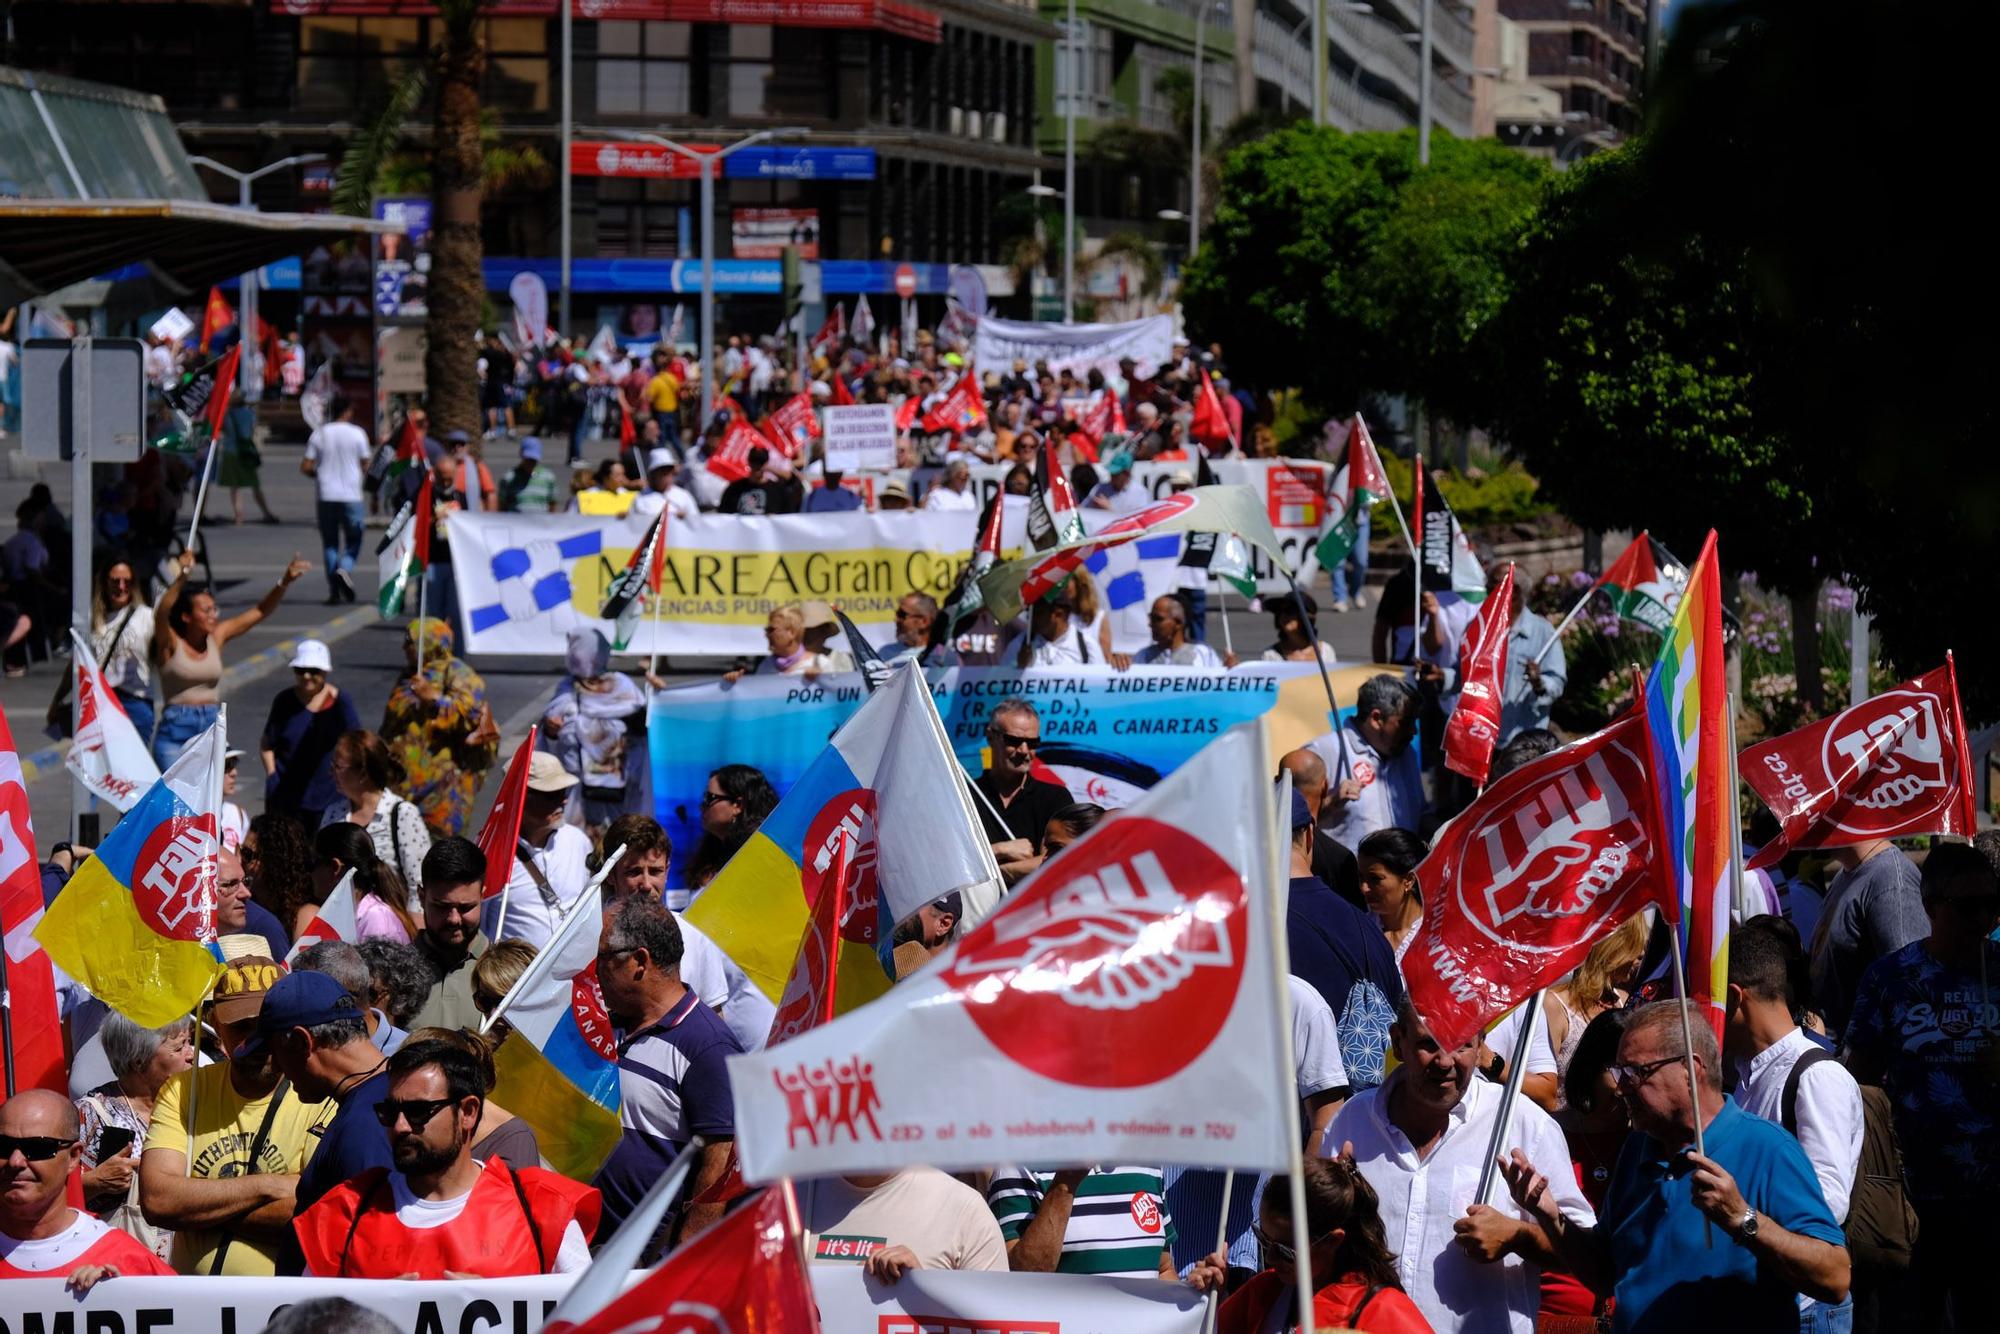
x: 1638, y: 589
x: 405, y: 553
x: 966, y: 601
x: 625, y: 600
x: 1224, y: 555
x: 202, y: 396
x: 1053, y: 517
x: 1357, y: 488
x: 409, y: 452
x: 1446, y: 559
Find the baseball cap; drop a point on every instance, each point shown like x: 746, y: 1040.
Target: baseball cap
x: 531, y: 448
x: 546, y: 774
x: 312, y: 654
x: 303, y: 999
x: 458, y: 438
x: 240, y: 991
x: 659, y: 458
x: 817, y: 613
x: 953, y: 903
x: 1301, y: 813
x: 1121, y: 463
x: 1182, y: 479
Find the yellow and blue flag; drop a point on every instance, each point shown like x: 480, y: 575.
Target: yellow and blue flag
x: 135, y: 926
x: 888, y: 781
x: 558, y: 1068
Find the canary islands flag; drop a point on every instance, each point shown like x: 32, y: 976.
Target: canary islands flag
x: 889, y: 781
x: 1686, y: 699
x: 135, y: 926
x: 558, y: 1068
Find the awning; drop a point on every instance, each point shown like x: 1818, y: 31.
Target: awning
x: 893, y: 16
x: 46, y: 244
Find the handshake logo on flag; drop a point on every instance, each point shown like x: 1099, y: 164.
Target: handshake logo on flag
x: 827, y: 1099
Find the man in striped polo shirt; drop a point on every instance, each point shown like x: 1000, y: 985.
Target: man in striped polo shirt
x: 1108, y: 1221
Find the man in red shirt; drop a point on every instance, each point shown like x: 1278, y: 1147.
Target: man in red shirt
x: 441, y: 1213
x: 41, y: 1235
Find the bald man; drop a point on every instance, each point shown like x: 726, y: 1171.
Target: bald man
x: 237, y: 914
x: 1331, y: 862
x: 41, y: 1236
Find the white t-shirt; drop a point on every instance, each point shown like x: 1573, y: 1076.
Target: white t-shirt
x: 702, y: 965
x: 942, y: 497
x: 675, y: 500
x: 562, y: 862
x: 1315, y: 1041
x: 1506, y: 1031
x: 1194, y: 653
x: 59, y: 1252
x: 945, y: 1222
x: 341, y: 451
x: 572, y: 1257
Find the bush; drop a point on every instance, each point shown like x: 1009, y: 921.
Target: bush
x: 1506, y: 495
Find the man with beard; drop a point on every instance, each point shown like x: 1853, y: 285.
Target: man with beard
x: 1420, y: 1140
x: 440, y: 1213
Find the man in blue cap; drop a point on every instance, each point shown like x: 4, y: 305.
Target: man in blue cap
x: 317, y: 1036
x: 1340, y: 952
x: 530, y: 488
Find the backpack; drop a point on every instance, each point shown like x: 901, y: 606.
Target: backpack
x: 1880, y: 1224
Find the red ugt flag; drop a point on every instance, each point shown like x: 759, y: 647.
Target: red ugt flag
x: 1547, y: 862
x: 31, y: 989
x: 1887, y: 767
x: 503, y: 823
x: 961, y: 410
x: 1474, y: 728
x: 1210, y: 425
x: 747, y: 1273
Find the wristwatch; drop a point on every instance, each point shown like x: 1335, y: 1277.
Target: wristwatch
x: 1747, y: 1229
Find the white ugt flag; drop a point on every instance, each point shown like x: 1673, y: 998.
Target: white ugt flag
x: 1119, y: 1006
x: 107, y: 754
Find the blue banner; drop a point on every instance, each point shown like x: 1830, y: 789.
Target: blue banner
x: 800, y: 164
x: 1106, y: 735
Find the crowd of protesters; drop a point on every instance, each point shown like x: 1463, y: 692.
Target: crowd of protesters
x: 338, y: 1116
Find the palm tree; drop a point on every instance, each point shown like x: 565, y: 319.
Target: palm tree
x: 457, y: 282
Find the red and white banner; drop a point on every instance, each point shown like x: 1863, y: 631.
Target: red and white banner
x: 1474, y: 727
x: 731, y: 459
x: 614, y: 157
x: 1887, y: 767
x: 1545, y: 863
x: 925, y: 1301
x: 331, y: 921
x: 31, y: 989
x: 107, y: 755
x: 1117, y: 1007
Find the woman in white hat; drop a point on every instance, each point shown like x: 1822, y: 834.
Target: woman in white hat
x: 304, y: 725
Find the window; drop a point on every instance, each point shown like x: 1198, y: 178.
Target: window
x: 778, y: 74
x: 642, y: 68
x: 517, y: 64
x: 349, y: 65
x: 642, y: 218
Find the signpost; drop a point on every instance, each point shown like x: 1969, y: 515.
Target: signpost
x: 83, y: 400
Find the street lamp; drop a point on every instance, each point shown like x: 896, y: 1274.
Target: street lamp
x: 708, y: 162
x: 246, y: 318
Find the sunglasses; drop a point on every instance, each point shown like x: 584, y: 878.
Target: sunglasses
x: 35, y: 1148
x: 710, y: 798
x: 118, y: 583
x: 1010, y: 741
x: 417, y: 1111
x: 1639, y: 1074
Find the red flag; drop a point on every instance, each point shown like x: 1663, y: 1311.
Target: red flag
x: 842, y: 396
x: 1888, y: 767
x: 217, y: 406
x: 833, y: 330
x: 1474, y: 728
x: 793, y: 426
x: 731, y: 459
x: 962, y: 409
x: 1548, y: 861
x: 1633, y: 567
x: 1085, y: 447
x: 626, y: 435
x: 735, y: 409
x: 1210, y: 425
x: 747, y: 1273
x: 31, y: 988
x: 906, y: 412
x: 425, y: 518
x: 216, y: 316
x: 502, y: 830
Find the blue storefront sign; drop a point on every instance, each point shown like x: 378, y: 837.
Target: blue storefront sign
x: 733, y: 277
x: 800, y: 164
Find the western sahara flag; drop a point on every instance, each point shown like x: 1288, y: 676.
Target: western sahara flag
x: 625, y: 600
x: 1448, y: 563
x: 1053, y: 518
x: 1357, y: 488
x: 405, y: 553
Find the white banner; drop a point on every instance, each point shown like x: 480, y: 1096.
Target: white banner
x: 924, y: 1302
x: 862, y: 436
x: 1120, y: 1006
x: 1079, y: 347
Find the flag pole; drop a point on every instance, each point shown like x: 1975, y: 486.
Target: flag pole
x: 1565, y: 622
x: 1517, y: 1071
x: 1319, y: 660
x: 1687, y: 1048
x: 1287, y: 1066
x: 201, y: 492
x: 423, y: 606
x: 1222, y: 612
x: 1221, y: 1244
x: 555, y: 936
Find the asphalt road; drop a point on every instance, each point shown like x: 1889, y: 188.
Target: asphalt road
x: 367, y: 652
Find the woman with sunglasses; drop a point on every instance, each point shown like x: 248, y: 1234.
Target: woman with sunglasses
x: 188, y: 636
x: 1354, y: 1279
x: 1296, y: 632
x: 300, y: 732
x: 735, y: 802
x: 121, y: 628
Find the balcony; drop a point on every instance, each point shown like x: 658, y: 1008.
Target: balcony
x: 1451, y: 32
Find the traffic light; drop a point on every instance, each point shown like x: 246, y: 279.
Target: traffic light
x: 791, y: 282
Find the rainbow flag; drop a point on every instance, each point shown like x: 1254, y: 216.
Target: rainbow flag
x: 135, y: 926
x: 889, y: 782
x: 1686, y: 703
x: 558, y: 1068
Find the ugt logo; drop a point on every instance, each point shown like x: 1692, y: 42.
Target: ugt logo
x: 825, y: 1100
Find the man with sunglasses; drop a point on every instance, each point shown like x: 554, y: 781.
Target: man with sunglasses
x: 316, y: 1034
x: 1025, y: 802
x: 41, y: 1236
x: 450, y: 939
x: 1719, y: 1241
x: 437, y: 1212
x: 1420, y: 1138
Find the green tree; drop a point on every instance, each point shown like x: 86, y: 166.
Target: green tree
x: 1347, y: 267
x: 457, y: 295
